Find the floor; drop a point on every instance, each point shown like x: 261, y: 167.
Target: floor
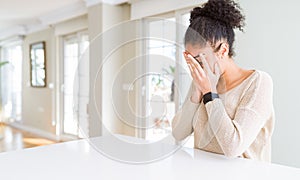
x: 13, y: 139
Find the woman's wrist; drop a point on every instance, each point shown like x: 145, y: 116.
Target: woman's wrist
x: 209, y: 97
x: 196, y: 97
x: 212, y: 90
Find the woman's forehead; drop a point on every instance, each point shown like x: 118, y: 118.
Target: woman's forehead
x: 196, y: 49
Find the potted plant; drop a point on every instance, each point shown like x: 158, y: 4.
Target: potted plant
x: 171, y: 72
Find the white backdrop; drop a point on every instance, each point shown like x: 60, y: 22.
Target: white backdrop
x: 271, y: 43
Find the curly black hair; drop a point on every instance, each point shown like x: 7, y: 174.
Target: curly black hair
x: 214, y: 21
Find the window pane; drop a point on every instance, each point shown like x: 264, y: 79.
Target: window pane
x: 76, y: 87
x: 11, y: 82
x: 161, y: 51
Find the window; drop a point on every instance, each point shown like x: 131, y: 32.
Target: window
x: 38, y: 64
x: 11, y: 81
x: 184, y: 76
x: 166, y: 69
x: 161, y: 49
x: 75, y: 84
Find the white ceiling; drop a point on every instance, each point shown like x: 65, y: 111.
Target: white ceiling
x: 27, y: 13
x: 22, y: 12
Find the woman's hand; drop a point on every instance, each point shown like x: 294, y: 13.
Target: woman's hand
x: 196, y: 95
x: 205, y: 80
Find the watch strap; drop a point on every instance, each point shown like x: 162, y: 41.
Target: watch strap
x: 209, y: 97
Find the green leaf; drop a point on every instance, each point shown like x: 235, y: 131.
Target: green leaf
x: 172, y: 68
x: 3, y: 63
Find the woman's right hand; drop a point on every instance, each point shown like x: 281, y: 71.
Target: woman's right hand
x: 197, y: 94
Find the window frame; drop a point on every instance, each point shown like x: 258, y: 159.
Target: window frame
x: 177, y: 14
x: 60, y: 110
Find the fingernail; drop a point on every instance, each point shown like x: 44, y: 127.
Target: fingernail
x: 190, y: 56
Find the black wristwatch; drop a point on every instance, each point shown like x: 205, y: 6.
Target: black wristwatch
x: 209, y: 97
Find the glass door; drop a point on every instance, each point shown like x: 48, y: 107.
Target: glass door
x: 160, y: 64
x: 75, y: 84
x: 168, y: 79
x: 11, y: 82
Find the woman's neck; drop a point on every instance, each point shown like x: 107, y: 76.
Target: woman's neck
x: 231, y: 77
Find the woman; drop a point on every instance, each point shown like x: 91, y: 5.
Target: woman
x: 229, y: 109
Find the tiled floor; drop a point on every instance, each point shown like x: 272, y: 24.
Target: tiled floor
x: 13, y: 139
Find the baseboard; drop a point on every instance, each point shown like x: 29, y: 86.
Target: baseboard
x: 35, y: 131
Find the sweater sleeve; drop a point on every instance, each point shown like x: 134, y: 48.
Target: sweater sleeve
x: 236, y: 135
x: 182, y: 124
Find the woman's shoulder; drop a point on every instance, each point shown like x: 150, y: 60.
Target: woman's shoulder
x: 262, y: 79
x: 263, y: 76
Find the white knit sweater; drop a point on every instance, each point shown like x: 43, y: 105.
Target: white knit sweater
x: 238, y: 124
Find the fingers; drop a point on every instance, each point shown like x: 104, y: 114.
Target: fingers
x: 194, y: 71
x: 217, y: 69
x: 194, y: 63
x: 185, y: 55
x: 205, y: 64
x: 195, y: 74
x: 187, y: 58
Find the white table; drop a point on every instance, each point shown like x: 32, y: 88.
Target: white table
x: 79, y: 160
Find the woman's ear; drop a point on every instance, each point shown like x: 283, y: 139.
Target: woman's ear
x: 224, y: 49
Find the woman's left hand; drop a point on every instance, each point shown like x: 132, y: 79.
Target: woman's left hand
x: 204, y: 77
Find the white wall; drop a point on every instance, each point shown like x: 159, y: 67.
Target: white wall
x: 142, y: 9
x: 102, y: 18
x: 112, y: 15
x: 95, y: 22
x: 40, y: 106
x: 38, y: 103
x: 271, y: 43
